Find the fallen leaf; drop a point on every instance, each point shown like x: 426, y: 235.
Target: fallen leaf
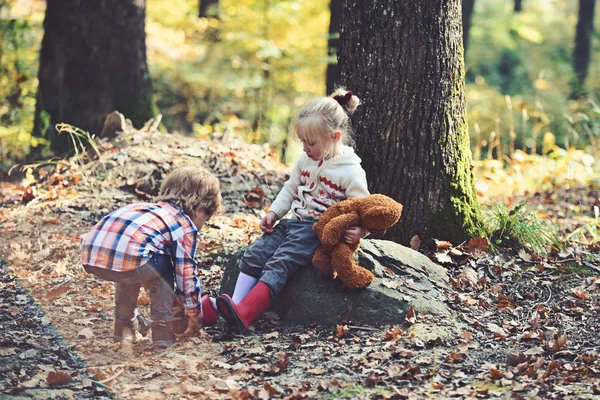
x: 410, y: 316
x: 55, y: 378
x: 415, y: 242
x: 60, y: 291
x: 534, y: 351
x: 497, y: 330
x: 468, y: 278
x: 342, y: 330
x: 478, y: 246
x: 580, y: 293
x: 316, y: 371
x: 85, y: 333
x: 255, y: 197
x: 496, y: 374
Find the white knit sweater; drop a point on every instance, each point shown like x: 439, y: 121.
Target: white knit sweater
x: 314, y: 186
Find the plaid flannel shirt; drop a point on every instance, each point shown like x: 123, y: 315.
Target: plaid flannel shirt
x: 127, y: 238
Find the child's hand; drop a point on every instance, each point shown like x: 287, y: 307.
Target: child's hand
x: 194, y: 324
x: 354, y: 234
x: 267, y: 222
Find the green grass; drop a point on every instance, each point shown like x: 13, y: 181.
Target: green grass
x: 356, y: 391
x: 518, y: 227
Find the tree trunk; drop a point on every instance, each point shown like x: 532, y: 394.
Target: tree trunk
x: 467, y: 13
x: 208, y: 8
x: 92, y: 62
x: 583, y: 46
x: 518, y: 6
x: 333, y: 68
x: 405, y: 60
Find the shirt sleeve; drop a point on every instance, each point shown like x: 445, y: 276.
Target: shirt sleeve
x: 282, y: 203
x: 188, y: 285
x: 357, y: 185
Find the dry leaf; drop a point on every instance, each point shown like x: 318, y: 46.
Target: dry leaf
x: 55, y: 378
x: 342, y: 330
x: 395, y: 333
x: 580, y: 293
x: 534, y: 351
x: 443, y: 258
x: 442, y: 244
x: 497, y: 330
x: 85, y: 333
x: 478, y: 246
x: 410, y: 316
x: 60, y: 291
x: 255, y: 197
x: 415, y: 243
x: 468, y: 277
x: 496, y: 374
x: 316, y: 371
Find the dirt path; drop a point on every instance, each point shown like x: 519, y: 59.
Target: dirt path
x: 530, y: 326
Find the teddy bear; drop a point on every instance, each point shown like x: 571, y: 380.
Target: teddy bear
x: 335, y: 257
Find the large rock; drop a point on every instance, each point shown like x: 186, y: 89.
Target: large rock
x: 403, y: 278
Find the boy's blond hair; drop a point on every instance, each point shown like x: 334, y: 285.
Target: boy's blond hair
x: 191, y: 187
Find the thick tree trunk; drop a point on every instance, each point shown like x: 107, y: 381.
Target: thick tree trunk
x: 467, y: 13
x: 583, y: 46
x: 208, y: 8
x: 518, y: 6
x: 92, y: 62
x: 405, y: 60
x: 333, y: 68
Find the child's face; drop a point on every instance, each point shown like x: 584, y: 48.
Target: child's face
x: 317, y: 150
x: 200, y: 217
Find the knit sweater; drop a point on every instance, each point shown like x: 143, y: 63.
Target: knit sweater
x: 314, y: 186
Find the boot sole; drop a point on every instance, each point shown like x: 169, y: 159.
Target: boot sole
x: 164, y: 343
x: 227, y: 311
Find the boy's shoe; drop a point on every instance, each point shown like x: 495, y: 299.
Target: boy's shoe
x: 180, y: 321
x: 125, y: 329
x: 162, y: 334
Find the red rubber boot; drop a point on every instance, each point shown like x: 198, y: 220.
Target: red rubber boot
x: 210, y: 314
x: 240, y: 316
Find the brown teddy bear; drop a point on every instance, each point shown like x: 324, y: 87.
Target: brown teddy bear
x: 373, y: 212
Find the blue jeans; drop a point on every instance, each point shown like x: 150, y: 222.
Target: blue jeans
x: 276, y: 256
x: 157, y: 277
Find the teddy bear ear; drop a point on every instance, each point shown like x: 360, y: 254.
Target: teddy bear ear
x: 381, y: 217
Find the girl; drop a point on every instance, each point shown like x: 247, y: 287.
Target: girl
x: 327, y: 173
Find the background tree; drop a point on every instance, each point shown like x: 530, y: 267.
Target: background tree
x: 333, y: 68
x: 208, y: 8
x: 583, y: 45
x: 467, y: 14
x: 92, y: 62
x: 405, y: 60
x: 518, y: 6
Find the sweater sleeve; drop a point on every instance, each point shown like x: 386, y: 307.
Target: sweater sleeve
x: 282, y: 203
x: 357, y: 185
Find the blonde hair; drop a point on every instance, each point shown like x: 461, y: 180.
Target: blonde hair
x: 190, y: 187
x: 320, y: 118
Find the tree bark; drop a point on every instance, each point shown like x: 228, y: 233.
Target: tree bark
x: 583, y: 46
x: 333, y: 68
x: 208, y: 8
x: 92, y: 62
x: 518, y: 6
x: 467, y: 13
x: 404, y: 59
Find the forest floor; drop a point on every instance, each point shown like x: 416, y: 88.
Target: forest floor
x: 532, y: 324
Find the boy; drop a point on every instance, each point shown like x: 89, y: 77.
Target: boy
x: 153, y: 245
